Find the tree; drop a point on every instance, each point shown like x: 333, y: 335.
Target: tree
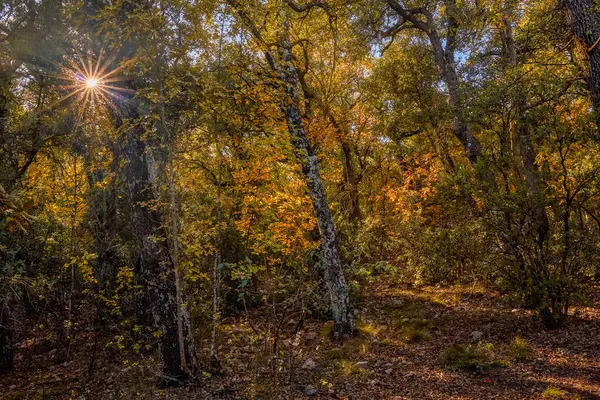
x: 153, y: 260
x: 444, y: 50
x: 26, y: 126
x: 283, y: 64
x: 585, y: 25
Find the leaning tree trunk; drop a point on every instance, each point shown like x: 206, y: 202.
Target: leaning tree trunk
x: 338, y: 289
x: 584, y: 16
x: 447, y: 67
x: 445, y: 61
x: 343, y: 317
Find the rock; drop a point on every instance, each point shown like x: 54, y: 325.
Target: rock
x: 362, y: 364
x: 476, y: 336
x: 389, y: 371
x: 389, y: 365
x: 310, y: 390
x: 311, y: 336
x: 405, y: 320
x: 12, y: 387
x: 373, y: 382
x: 309, y: 364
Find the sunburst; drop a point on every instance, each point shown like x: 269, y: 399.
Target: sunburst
x: 92, y: 82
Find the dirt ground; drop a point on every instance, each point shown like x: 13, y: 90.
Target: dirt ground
x: 404, y: 350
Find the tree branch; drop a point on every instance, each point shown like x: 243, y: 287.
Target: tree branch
x: 309, y: 6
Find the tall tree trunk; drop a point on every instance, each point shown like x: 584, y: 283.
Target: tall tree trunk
x: 351, y: 180
x: 343, y: 317
x: 351, y: 177
x: 6, y: 345
x: 338, y: 290
x: 526, y: 147
x: 584, y: 16
x: 187, y: 352
x: 152, y: 257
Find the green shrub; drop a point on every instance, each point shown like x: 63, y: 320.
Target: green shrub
x: 520, y: 349
x: 414, y: 334
x: 468, y: 357
x: 416, y: 330
x: 553, y: 393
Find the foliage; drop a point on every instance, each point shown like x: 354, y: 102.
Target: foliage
x: 471, y: 357
x: 520, y: 349
x: 553, y: 393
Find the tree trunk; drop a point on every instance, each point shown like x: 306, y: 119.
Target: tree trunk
x: 152, y: 258
x: 447, y: 67
x: 526, y: 148
x: 343, y: 317
x: 584, y: 16
x: 445, y: 61
x: 6, y: 341
x: 350, y: 184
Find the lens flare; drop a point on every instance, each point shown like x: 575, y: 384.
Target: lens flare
x: 91, y: 83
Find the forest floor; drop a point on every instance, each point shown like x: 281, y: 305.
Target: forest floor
x: 426, y: 343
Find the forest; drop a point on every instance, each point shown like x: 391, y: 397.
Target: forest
x: 296, y: 199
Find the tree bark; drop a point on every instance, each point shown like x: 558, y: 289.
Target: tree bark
x: 584, y: 16
x: 525, y: 145
x: 338, y: 290
x: 152, y: 258
x: 284, y: 67
x: 445, y: 61
x: 153, y: 261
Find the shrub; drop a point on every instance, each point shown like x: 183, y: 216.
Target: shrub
x: 468, y: 357
x: 416, y: 330
x: 414, y: 334
x: 553, y: 393
x: 520, y: 349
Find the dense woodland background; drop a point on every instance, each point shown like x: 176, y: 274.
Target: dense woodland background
x: 287, y: 199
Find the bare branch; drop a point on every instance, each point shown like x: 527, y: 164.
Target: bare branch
x: 309, y: 6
